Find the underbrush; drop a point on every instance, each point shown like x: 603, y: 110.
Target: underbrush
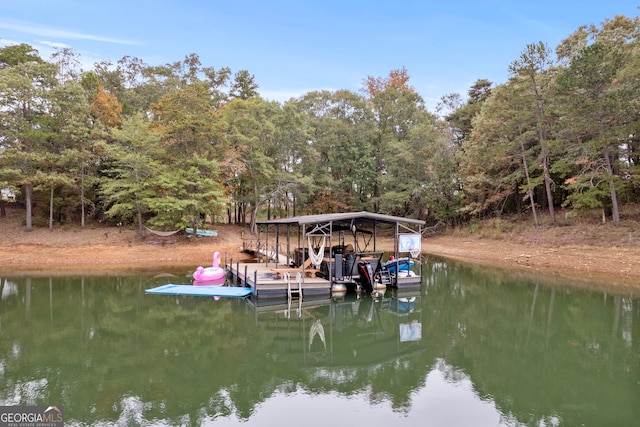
x: 577, y: 228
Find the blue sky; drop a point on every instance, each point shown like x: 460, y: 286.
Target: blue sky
x: 293, y: 47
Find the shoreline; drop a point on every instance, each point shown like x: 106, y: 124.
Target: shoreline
x: 615, y: 267
x: 581, y: 254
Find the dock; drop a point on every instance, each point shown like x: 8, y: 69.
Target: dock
x: 326, y: 252
x: 270, y: 280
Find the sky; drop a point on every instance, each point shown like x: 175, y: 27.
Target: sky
x: 294, y: 47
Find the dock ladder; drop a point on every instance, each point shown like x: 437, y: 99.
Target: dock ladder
x: 294, y: 294
x: 385, y: 277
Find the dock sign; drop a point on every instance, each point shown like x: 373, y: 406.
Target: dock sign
x: 409, y: 242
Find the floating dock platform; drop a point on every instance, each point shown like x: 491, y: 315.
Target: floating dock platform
x: 201, y: 291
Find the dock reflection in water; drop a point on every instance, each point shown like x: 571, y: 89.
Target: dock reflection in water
x: 471, y: 346
x: 351, y: 330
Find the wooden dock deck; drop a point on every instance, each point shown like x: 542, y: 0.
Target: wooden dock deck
x: 268, y: 280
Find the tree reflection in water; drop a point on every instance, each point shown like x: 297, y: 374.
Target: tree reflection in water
x: 509, y: 350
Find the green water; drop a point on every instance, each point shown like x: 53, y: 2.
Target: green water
x: 471, y: 347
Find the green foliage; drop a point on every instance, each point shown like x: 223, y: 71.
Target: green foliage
x: 244, y: 86
x: 593, y: 97
x: 165, y: 145
x: 461, y: 116
x: 13, y: 55
x: 128, y: 181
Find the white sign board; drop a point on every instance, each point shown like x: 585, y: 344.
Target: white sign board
x: 407, y: 242
x: 410, y: 331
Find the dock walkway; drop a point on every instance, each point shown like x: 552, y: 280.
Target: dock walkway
x: 267, y: 279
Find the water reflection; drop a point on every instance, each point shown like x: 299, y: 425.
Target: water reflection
x: 471, y: 346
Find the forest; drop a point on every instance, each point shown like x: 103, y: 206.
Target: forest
x: 167, y: 146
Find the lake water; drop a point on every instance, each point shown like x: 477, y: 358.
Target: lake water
x: 471, y: 347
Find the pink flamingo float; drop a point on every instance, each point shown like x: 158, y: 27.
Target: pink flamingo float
x: 211, y: 275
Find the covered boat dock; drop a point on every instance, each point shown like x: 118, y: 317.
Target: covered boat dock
x: 318, y: 255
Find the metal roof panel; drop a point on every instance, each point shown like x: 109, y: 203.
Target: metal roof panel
x: 344, y: 216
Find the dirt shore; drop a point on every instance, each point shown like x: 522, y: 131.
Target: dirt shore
x: 99, y: 249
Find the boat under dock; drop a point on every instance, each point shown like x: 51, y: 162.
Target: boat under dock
x: 270, y: 280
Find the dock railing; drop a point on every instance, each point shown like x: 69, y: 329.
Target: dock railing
x: 263, y: 252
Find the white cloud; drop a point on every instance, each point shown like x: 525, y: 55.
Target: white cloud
x: 55, y: 45
x: 43, y: 31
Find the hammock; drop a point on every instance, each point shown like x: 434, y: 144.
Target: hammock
x: 162, y: 233
x: 317, y: 329
x: 316, y: 258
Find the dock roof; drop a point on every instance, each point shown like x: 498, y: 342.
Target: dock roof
x: 345, y: 216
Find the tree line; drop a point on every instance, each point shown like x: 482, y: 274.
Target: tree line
x: 165, y: 146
